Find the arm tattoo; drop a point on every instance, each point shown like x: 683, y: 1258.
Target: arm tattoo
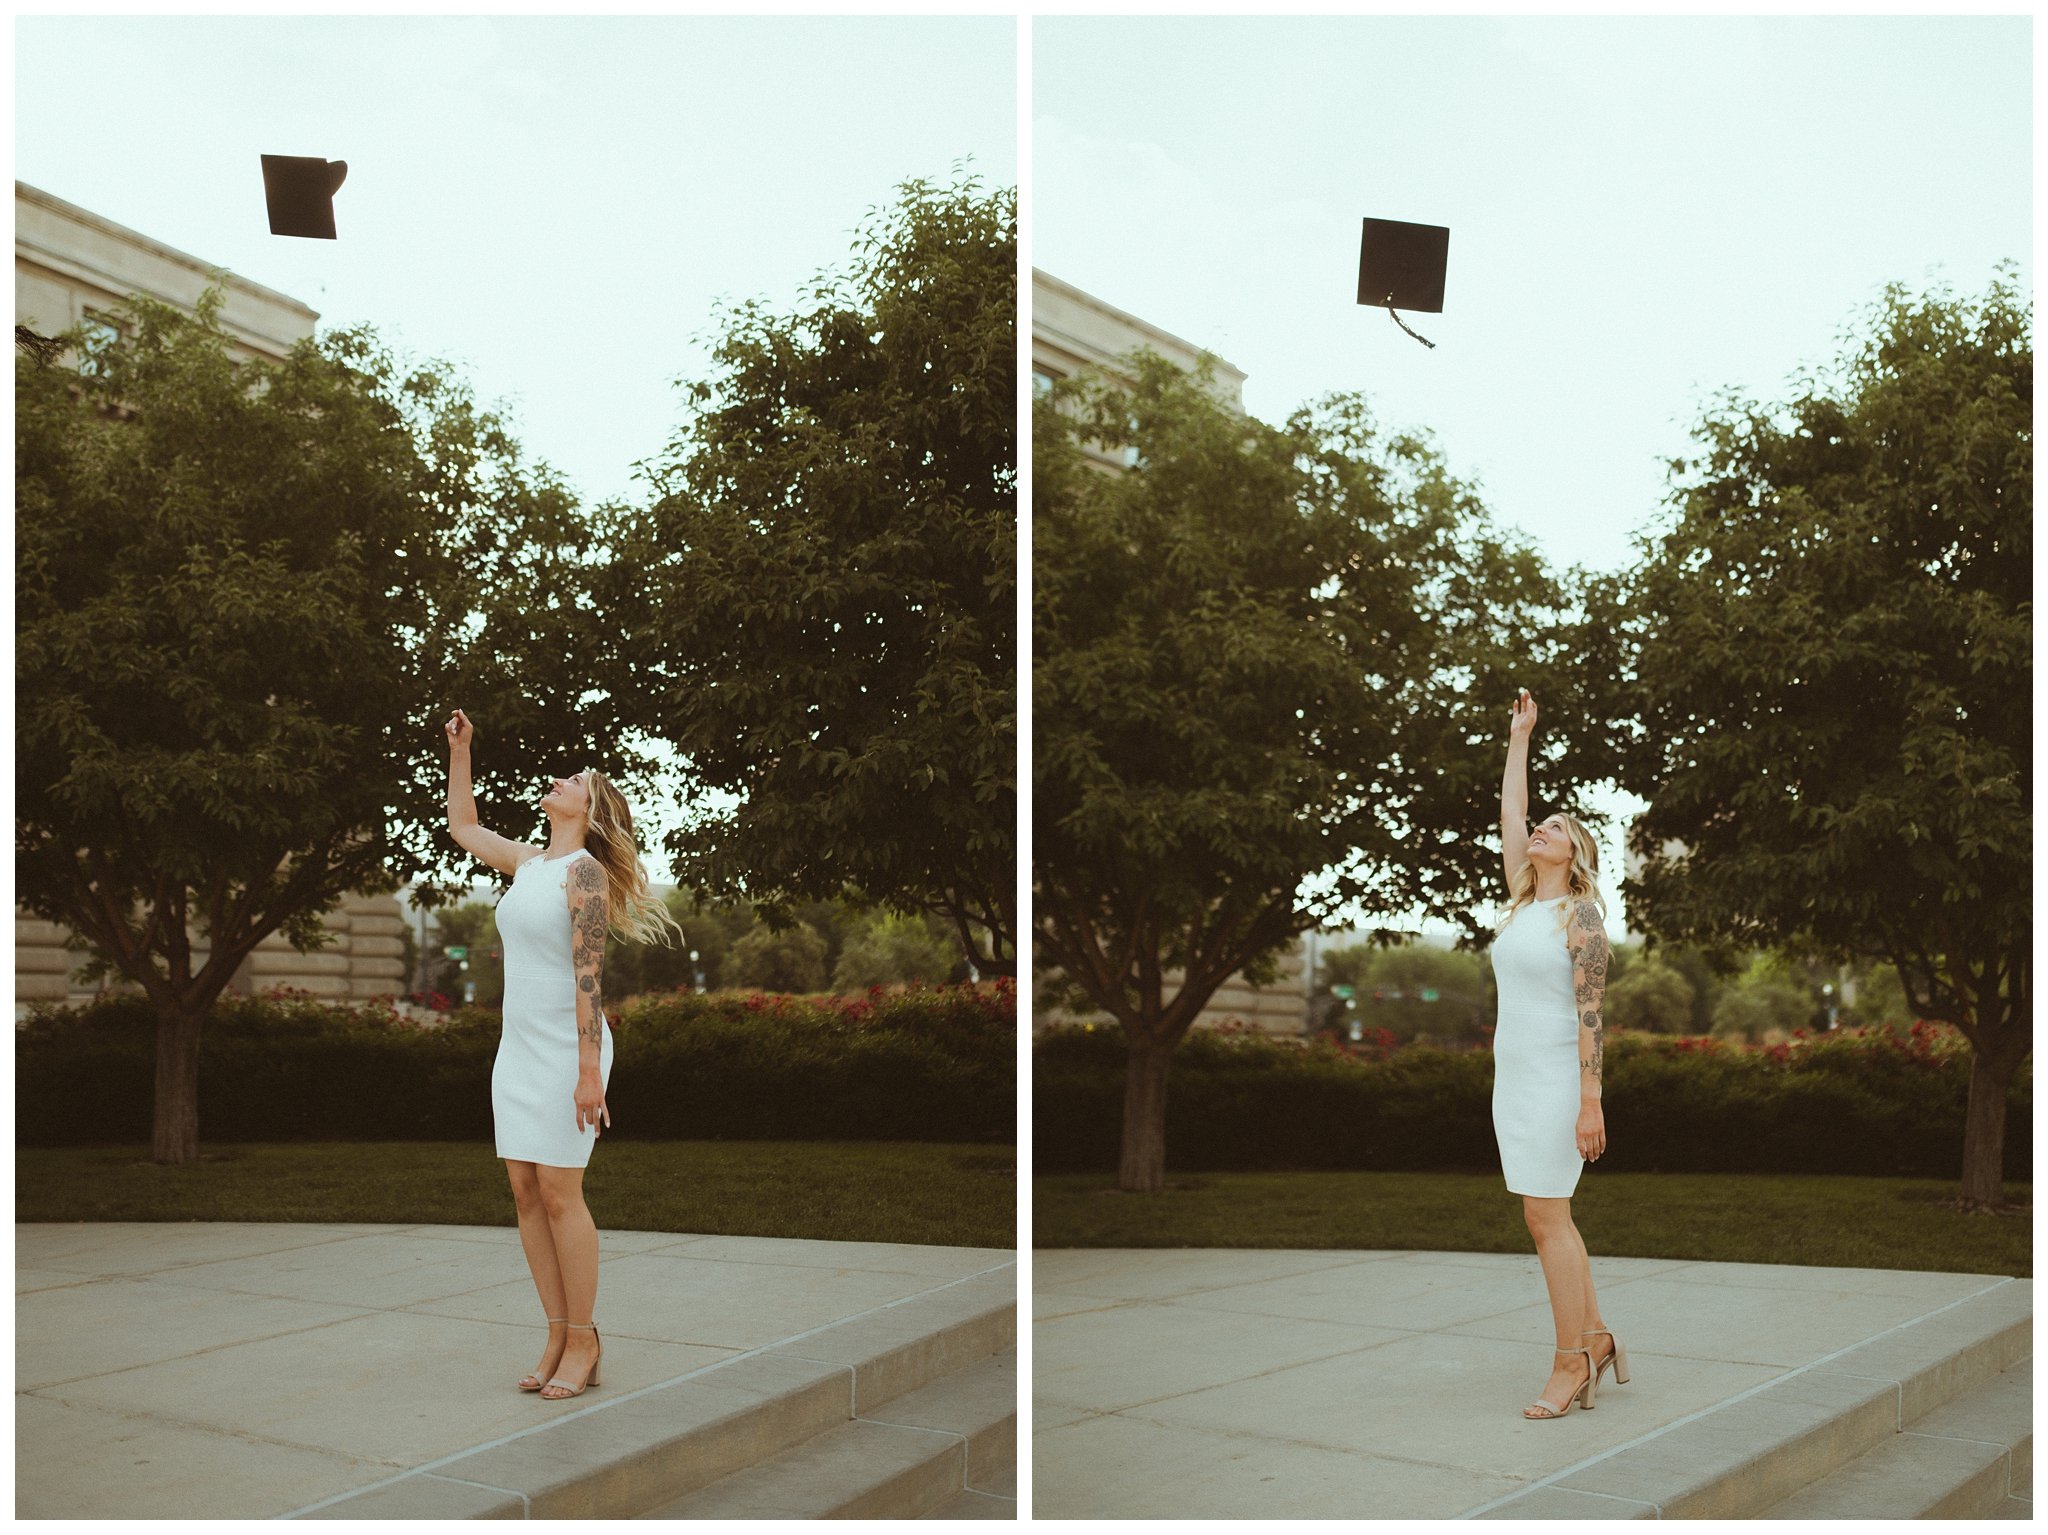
x: 589, y: 916
x: 1588, y: 942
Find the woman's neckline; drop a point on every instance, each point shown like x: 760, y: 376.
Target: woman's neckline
x: 543, y: 857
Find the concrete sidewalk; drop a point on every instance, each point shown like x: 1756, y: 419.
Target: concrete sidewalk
x: 1242, y: 1384
x: 215, y: 1370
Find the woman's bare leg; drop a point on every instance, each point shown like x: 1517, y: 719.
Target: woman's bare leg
x: 575, y: 1246
x: 539, y: 1243
x: 1568, y: 1276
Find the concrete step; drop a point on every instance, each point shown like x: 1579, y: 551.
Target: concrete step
x: 902, y: 1459
x: 1759, y: 1449
x: 1964, y: 1460
x: 625, y: 1457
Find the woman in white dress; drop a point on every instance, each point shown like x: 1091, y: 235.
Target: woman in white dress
x: 555, y: 1054
x: 1550, y: 965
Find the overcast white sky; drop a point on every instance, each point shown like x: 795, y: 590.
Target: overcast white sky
x: 1643, y: 211
x: 554, y: 204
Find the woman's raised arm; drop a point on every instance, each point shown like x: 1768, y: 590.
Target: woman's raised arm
x: 1514, y: 788
x: 501, y: 853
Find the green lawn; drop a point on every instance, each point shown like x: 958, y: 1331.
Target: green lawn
x: 845, y: 1191
x: 1889, y: 1223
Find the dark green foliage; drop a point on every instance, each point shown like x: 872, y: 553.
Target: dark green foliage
x: 887, y: 948
x: 818, y: 608
x: 922, y: 1065
x: 245, y: 594
x: 1266, y: 655
x: 1880, y: 1104
x: 1820, y: 676
x: 1271, y: 668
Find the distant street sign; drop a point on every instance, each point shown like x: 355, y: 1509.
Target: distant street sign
x: 1430, y: 993
x: 458, y: 951
x: 1346, y: 992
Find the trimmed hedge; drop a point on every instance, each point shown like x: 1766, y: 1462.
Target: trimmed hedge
x: 1858, y: 1102
x: 926, y: 1064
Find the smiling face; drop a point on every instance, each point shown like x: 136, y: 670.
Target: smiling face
x: 1550, y: 844
x: 568, y: 796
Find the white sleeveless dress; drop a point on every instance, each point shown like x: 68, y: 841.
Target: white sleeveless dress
x: 1536, y: 1056
x: 533, y: 1080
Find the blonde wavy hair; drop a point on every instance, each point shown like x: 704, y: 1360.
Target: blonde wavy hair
x: 1582, y: 877
x: 637, y: 913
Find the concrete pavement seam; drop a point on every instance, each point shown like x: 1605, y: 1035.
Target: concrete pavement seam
x: 195, y: 1425
x: 1692, y: 1417
x: 172, y: 1268
x: 1175, y: 1295
x: 525, y: 1502
x: 1318, y: 1445
x: 687, y: 1375
x: 1346, y: 1353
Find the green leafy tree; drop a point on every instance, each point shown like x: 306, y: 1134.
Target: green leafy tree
x: 779, y: 959
x: 1761, y: 1006
x: 1880, y: 998
x: 1825, y: 679
x: 820, y: 602
x: 1271, y: 675
x: 245, y: 592
x: 1653, y: 997
x: 885, y: 948
x: 1705, y: 972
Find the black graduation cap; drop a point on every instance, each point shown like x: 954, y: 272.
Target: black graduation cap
x: 1401, y: 266
x: 299, y: 192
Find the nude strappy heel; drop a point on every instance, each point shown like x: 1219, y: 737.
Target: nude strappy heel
x: 569, y: 1390
x: 1617, y: 1357
x: 1543, y: 1408
x: 537, y: 1382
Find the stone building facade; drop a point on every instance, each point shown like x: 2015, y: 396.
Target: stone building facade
x: 73, y: 267
x: 1073, y: 332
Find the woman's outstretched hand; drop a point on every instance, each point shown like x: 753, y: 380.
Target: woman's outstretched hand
x: 1525, y: 717
x: 460, y: 731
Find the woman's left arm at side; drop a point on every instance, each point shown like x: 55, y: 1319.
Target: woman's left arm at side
x: 589, y: 917
x: 1586, y: 937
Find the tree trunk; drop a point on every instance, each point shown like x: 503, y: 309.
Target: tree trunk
x: 1991, y: 1073
x: 1142, y: 1167
x: 175, y: 1138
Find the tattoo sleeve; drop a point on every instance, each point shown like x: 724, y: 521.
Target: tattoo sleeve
x: 1587, y: 939
x: 589, y: 917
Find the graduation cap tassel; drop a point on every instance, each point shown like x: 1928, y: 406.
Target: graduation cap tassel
x: 1404, y: 325
x: 1405, y: 263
